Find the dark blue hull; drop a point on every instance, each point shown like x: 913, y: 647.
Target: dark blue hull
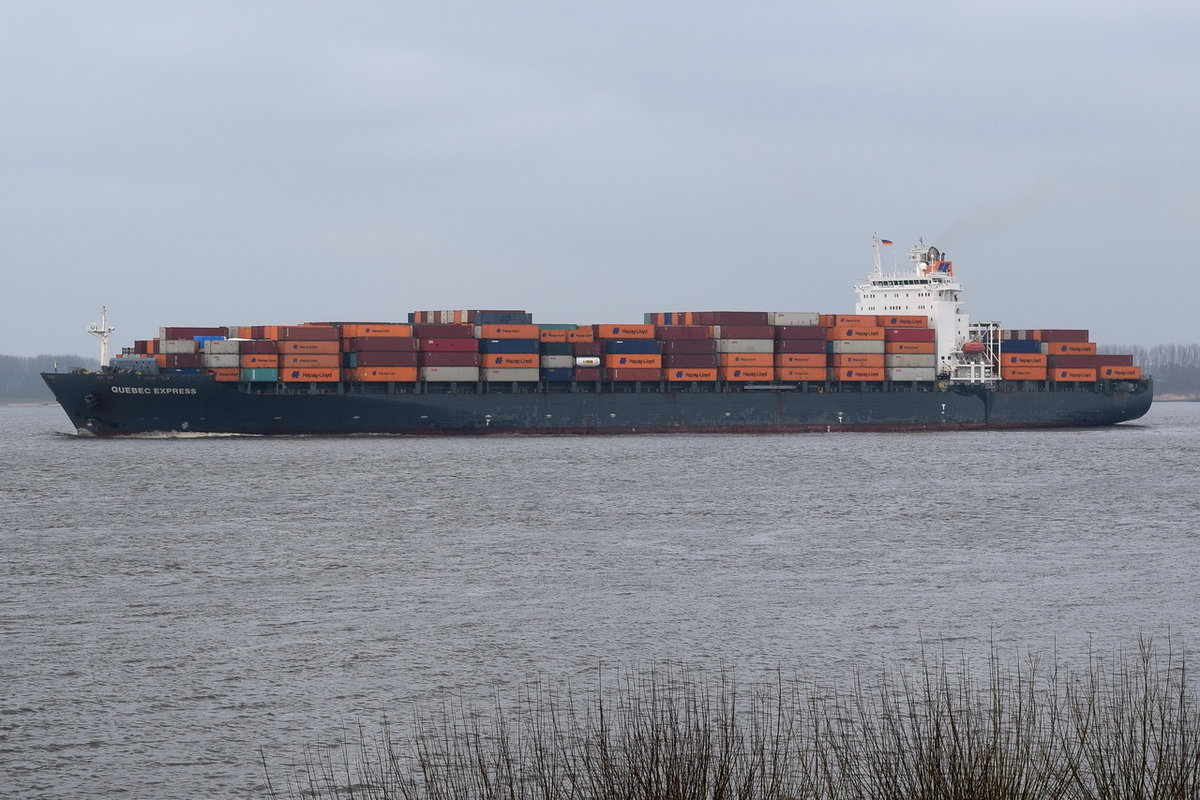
x: 121, y: 403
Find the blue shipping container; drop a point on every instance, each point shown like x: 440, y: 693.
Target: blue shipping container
x: 508, y: 345
x: 560, y: 374
x: 1021, y: 346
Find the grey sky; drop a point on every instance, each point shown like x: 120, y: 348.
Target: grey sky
x: 271, y: 163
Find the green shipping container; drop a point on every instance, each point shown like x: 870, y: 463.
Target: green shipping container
x: 260, y: 374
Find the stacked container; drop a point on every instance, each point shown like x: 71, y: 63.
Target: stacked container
x: 856, y: 348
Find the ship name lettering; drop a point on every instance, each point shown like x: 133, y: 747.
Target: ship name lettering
x: 130, y: 390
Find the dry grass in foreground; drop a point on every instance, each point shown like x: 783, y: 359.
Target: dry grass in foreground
x: 1123, y: 727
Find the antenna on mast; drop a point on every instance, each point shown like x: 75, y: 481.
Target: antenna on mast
x: 101, y: 332
x: 879, y: 243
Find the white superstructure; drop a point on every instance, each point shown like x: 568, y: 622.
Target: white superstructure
x: 928, y: 289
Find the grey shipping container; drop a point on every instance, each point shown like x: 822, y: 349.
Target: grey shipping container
x: 855, y: 346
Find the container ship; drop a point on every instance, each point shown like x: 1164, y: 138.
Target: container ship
x: 908, y: 359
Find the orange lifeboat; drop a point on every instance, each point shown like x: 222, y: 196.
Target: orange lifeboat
x: 973, y: 346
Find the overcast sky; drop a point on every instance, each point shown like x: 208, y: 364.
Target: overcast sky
x: 278, y: 162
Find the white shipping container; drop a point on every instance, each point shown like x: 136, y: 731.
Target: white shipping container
x: 909, y: 360
x: 793, y: 318
x: 511, y: 374
x: 223, y: 346
x: 855, y: 346
x: 558, y: 362
x: 911, y: 374
x: 467, y: 374
x: 747, y: 345
x: 176, y: 346
x: 217, y: 360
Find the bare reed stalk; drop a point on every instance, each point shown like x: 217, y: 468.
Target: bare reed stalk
x: 1125, y: 728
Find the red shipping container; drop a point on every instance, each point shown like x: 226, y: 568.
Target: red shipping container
x: 305, y: 333
x: 730, y: 317
x: 744, y: 331
x: 689, y: 346
x: 181, y: 360
x: 1073, y: 362
x: 690, y: 360
x: 444, y: 331
x: 387, y: 358
x: 191, y: 333
x: 587, y: 373
x: 676, y: 332
x: 800, y: 332
x: 632, y: 374
x: 393, y: 343
x: 800, y: 345
x: 259, y: 347
x: 1113, y: 360
x: 591, y: 348
x: 909, y: 335
x: 449, y: 345
x: 448, y: 358
x: 1062, y: 335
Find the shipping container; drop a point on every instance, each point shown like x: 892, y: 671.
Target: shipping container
x: 582, y: 334
x: 305, y: 360
x: 910, y: 348
x: 1069, y: 348
x: 909, y: 321
x: 800, y: 332
x: 745, y: 345
x: 310, y: 375
x: 221, y: 360
x: 372, y: 330
x: 675, y: 332
x: 558, y: 374
x: 801, y: 360
x: 1072, y: 375
x: 1016, y: 373
x: 682, y: 373
x: 552, y: 335
x: 1022, y: 360
x: 1115, y: 372
x: 1113, y: 360
x: 801, y: 373
x: 443, y: 331
x: 729, y: 317
x: 379, y: 374
x: 510, y: 360
x: 911, y: 373
x: 746, y: 360
x: 1071, y: 362
x: 302, y: 333
x: 180, y: 361
x: 809, y: 346
x: 742, y: 374
x: 226, y: 374
x: 455, y: 374
x: 742, y: 332
x: 910, y: 361
x: 793, y: 319
x: 588, y: 374
x: 856, y: 346
x: 448, y: 358
x: 558, y: 362
x: 867, y: 360
x: 857, y: 373
x: 362, y: 344
x: 645, y: 360
x: 509, y: 332
x: 260, y: 346
x: 470, y: 345
x: 260, y: 374
x: 909, y: 335
x: 297, y: 346
x: 587, y: 348
x: 187, y: 333
x: 178, y: 346
x: 618, y: 331
x: 855, y: 321
x: 690, y: 361
x: 1061, y: 335
x: 268, y: 360
x: 630, y: 346
x: 385, y: 358
x: 223, y: 347
x: 689, y: 346
x: 632, y: 374
x: 523, y: 375
x: 510, y: 346
x: 854, y: 333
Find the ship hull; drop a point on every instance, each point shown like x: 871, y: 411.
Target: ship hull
x: 117, y: 403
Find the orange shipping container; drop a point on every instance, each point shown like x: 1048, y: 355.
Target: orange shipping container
x: 353, y: 330
x: 266, y: 360
x: 855, y: 321
x: 310, y: 348
x: 1022, y: 360
x: 1073, y: 375
x: 226, y: 374
x: 1123, y: 373
x: 856, y: 360
x: 640, y: 360
x: 910, y: 348
x: 747, y: 373
x: 618, y: 331
x: 801, y: 373
x: 857, y: 373
x: 690, y: 374
x: 1069, y: 348
x: 584, y: 334
x: 911, y: 321
x: 1022, y: 373
x: 552, y: 335
x: 369, y: 374
x: 161, y: 358
x: 801, y: 360
x: 315, y: 361
x: 509, y: 360
x: 508, y: 332
x: 871, y: 333
x: 307, y: 375
x: 747, y: 360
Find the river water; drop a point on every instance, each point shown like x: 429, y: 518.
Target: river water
x: 170, y: 606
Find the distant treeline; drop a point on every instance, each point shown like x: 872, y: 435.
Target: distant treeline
x: 20, y: 380
x: 1175, y: 367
